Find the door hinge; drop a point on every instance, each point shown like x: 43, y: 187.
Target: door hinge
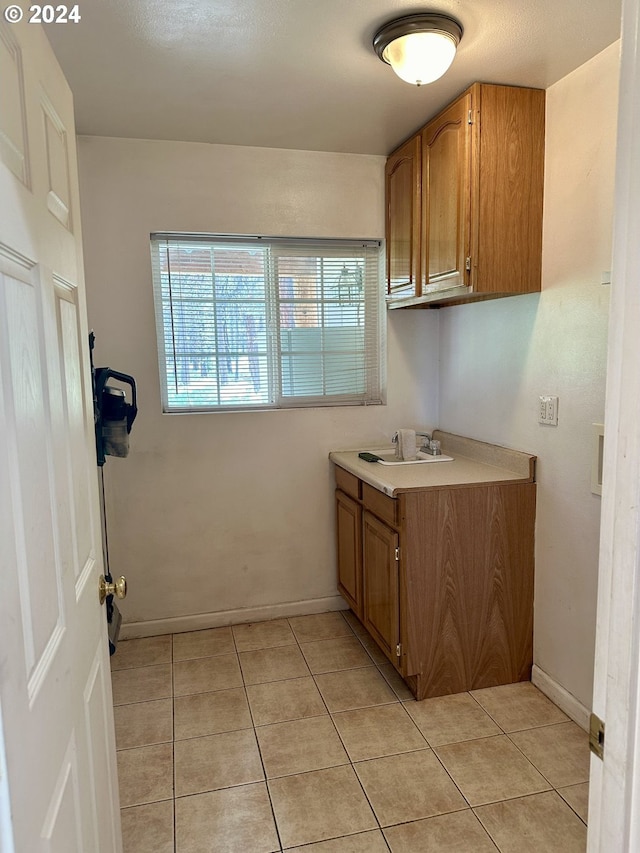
x: 399, y: 650
x: 596, y: 735
x: 397, y: 554
x: 470, y: 117
x: 467, y: 264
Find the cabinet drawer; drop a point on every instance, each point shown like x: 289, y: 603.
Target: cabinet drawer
x: 348, y: 483
x: 380, y: 504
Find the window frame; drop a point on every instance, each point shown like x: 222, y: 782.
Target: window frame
x: 373, y: 345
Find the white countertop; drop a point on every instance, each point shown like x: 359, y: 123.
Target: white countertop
x: 482, y: 463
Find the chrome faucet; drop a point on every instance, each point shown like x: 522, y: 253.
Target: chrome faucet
x: 429, y: 445
x: 426, y: 443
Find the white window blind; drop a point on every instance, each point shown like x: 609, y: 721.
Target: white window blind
x: 259, y: 322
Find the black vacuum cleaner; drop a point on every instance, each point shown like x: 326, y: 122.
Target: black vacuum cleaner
x: 113, y: 417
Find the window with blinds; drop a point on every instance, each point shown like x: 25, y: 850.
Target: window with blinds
x: 258, y: 322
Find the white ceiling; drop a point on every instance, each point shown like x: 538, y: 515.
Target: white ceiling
x: 301, y: 73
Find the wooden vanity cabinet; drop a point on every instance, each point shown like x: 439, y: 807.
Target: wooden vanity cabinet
x: 479, y: 180
x: 445, y: 581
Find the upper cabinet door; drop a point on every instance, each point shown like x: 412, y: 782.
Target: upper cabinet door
x: 403, y: 219
x: 446, y: 198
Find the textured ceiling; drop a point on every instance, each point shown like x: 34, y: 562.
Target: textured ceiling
x: 301, y: 73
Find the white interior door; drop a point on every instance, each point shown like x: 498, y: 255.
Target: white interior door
x: 614, y: 804
x: 58, y: 788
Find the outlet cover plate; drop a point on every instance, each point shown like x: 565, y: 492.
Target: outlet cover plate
x: 548, y: 410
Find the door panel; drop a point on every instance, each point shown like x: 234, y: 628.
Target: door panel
x: 349, y: 537
x: 381, y: 615
x: 62, y: 821
x: 59, y: 785
x: 13, y: 117
x: 96, y: 720
x: 28, y: 442
x: 58, y: 181
x: 446, y: 198
x: 76, y: 417
x: 443, y: 203
x: 403, y: 219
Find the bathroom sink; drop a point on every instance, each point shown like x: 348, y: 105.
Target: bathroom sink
x: 390, y: 459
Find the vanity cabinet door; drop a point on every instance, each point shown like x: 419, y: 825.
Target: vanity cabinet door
x: 381, y: 612
x: 349, y: 539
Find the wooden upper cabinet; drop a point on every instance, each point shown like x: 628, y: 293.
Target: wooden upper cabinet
x: 479, y: 180
x: 446, y: 198
x: 508, y: 181
x: 402, y: 180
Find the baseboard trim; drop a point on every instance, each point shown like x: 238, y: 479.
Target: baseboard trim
x: 562, y: 698
x: 180, y: 624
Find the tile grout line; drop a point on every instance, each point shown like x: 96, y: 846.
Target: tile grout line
x: 569, y: 804
x: 375, y: 816
x: 432, y: 748
x: 458, y: 788
x: 173, y: 750
x: 255, y: 734
x: 527, y: 728
x: 531, y: 728
x: 553, y: 787
x: 488, y: 834
x: 502, y: 799
x: 522, y: 797
x: 428, y: 747
x: 351, y: 763
x: 355, y: 772
x: 252, y: 728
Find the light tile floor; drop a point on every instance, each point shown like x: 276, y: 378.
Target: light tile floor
x: 297, y: 735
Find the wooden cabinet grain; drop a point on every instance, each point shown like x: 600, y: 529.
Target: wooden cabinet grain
x: 446, y: 586
x: 477, y: 230
x: 446, y: 198
x: 349, y: 556
x: 380, y: 606
x: 402, y: 182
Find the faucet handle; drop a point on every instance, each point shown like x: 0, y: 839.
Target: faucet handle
x: 426, y: 443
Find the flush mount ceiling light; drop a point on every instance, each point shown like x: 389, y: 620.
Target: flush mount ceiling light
x: 419, y: 48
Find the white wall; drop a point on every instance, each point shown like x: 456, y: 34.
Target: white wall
x: 212, y: 513
x: 497, y: 358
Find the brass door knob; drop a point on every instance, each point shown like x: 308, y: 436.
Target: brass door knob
x: 117, y: 588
